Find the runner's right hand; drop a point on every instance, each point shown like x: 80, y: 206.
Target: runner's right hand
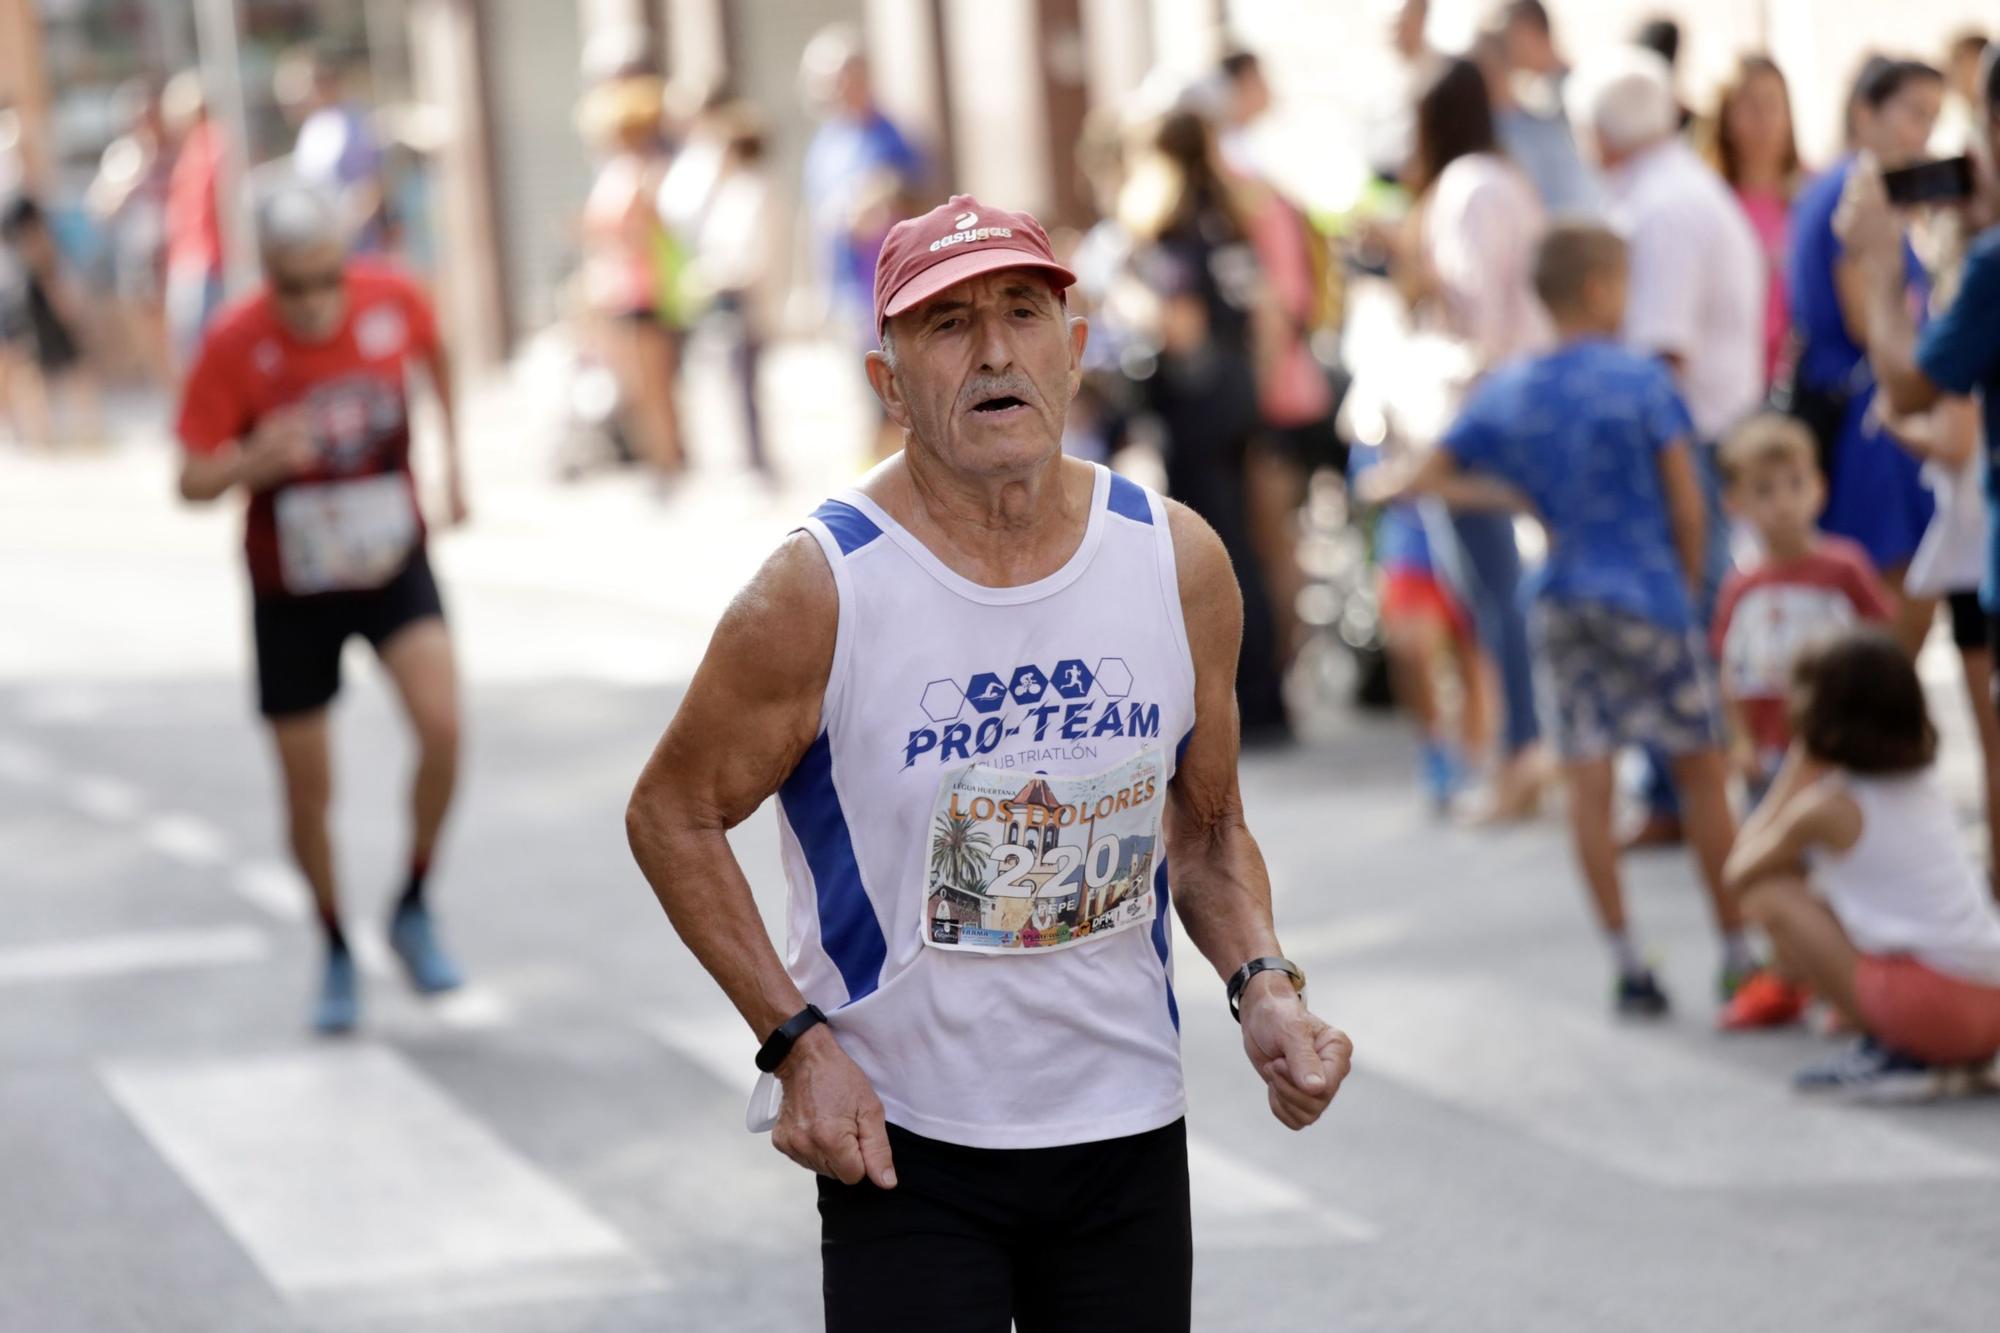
x: 830, y: 1120
x: 278, y: 449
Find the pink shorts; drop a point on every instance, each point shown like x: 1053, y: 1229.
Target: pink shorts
x: 1925, y: 1013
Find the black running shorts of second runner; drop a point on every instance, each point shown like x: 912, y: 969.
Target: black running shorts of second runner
x: 1088, y: 1236
x: 299, y: 638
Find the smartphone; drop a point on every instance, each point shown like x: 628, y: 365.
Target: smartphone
x: 1945, y: 181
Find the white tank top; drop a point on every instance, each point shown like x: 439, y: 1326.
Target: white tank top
x: 1908, y: 886
x: 978, y: 882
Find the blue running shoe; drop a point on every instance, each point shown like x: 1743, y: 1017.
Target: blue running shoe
x: 339, y: 1006
x: 1868, y: 1069
x: 1444, y: 776
x: 1638, y: 995
x: 411, y: 936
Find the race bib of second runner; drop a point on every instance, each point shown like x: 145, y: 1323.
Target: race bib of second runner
x: 345, y: 535
x: 1019, y: 867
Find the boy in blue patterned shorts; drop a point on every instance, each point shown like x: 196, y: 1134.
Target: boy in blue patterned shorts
x: 1596, y: 441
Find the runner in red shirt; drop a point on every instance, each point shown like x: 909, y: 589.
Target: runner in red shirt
x: 298, y: 397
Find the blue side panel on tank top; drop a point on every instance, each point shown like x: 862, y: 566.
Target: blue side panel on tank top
x: 1129, y: 498
x: 849, y: 526
x: 848, y: 930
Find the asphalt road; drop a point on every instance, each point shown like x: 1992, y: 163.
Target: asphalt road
x: 560, y: 1146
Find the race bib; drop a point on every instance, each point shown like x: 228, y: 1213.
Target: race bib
x: 1019, y: 867
x: 341, y: 536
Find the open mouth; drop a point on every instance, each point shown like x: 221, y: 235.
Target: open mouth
x: 1006, y: 402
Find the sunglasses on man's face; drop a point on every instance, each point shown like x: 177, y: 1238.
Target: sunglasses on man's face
x: 295, y: 286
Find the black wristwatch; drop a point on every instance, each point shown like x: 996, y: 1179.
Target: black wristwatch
x: 779, y: 1045
x: 1251, y: 969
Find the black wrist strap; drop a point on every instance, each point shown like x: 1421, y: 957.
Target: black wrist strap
x: 1251, y: 969
x: 779, y: 1044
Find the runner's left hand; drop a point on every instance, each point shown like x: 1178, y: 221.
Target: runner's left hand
x: 1300, y: 1056
x: 456, y: 510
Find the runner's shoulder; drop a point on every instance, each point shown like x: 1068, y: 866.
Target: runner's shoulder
x: 785, y: 618
x: 1201, y: 562
x: 242, y: 321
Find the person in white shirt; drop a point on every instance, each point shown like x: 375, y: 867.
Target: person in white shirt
x: 992, y: 690
x: 1696, y: 298
x: 1855, y: 867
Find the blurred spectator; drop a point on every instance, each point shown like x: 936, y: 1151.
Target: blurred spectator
x: 631, y: 267
x: 1421, y: 622
x: 861, y: 177
x: 856, y: 169
x: 1467, y: 272
x: 1595, y: 439
x: 1875, y: 494
x: 46, y: 316
x: 1535, y: 132
x: 1294, y: 393
x: 129, y: 197
x: 1804, y: 587
x: 1528, y: 43
x: 1958, y: 353
x: 736, y: 237
x: 1751, y: 142
x: 1857, y: 871
x: 1696, y: 295
x: 1959, y: 119
x: 336, y: 151
x: 1662, y: 36
x: 194, y: 217
x: 1211, y: 322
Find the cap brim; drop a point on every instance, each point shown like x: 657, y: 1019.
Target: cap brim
x: 970, y: 265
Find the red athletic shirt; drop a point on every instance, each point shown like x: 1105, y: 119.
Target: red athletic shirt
x: 351, y: 386
x: 1766, y: 616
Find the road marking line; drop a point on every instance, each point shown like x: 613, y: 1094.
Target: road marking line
x: 1635, y: 1101
x: 348, y: 1177
x: 722, y: 1046
x: 473, y: 1007
x: 117, y: 955
x: 273, y: 887
x: 1241, y: 1203
x: 110, y: 800
x: 187, y: 838
x: 1345, y: 936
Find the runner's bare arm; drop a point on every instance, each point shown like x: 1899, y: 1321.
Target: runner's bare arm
x: 278, y: 447
x: 1220, y: 884
x: 437, y: 365
x: 750, y: 713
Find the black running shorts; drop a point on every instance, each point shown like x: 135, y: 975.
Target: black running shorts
x: 1089, y: 1237
x: 299, y: 638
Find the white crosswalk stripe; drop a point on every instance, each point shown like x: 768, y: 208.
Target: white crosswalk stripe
x: 1632, y: 1100
x: 355, y: 1185
x: 122, y: 954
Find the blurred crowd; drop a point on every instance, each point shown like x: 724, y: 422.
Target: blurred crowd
x: 1567, y: 433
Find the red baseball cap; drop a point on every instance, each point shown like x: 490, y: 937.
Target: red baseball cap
x: 959, y: 239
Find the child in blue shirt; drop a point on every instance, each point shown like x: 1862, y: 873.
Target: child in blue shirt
x: 1597, y: 441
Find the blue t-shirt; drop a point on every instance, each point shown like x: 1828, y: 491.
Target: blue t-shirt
x: 845, y: 159
x: 1960, y: 352
x: 1876, y: 495
x: 1579, y: 432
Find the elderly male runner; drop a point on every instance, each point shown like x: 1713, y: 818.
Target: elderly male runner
x: 297, y: 398
x: 980, y: 684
